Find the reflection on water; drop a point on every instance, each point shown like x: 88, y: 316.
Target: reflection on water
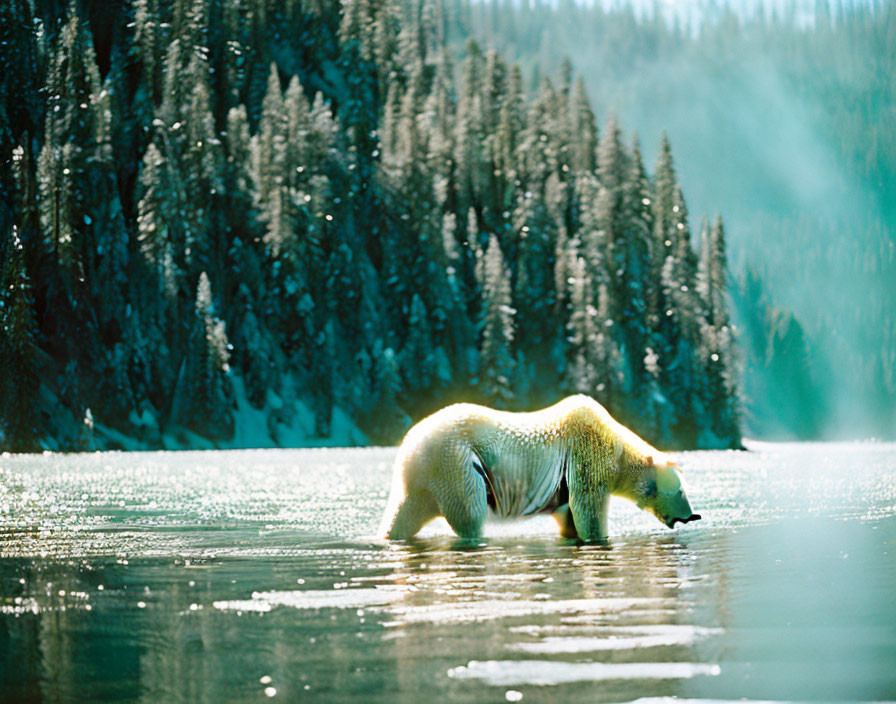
x: 247, y: 576
x: 546, y: 672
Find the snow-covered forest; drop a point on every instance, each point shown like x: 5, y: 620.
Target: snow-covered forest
x: 320, y: 215
x: 782, y: 115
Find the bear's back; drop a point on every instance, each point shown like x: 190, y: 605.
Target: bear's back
x: 521, y: 456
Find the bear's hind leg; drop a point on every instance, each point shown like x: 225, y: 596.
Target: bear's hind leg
x: 418, y: 508
x: 464, y: 503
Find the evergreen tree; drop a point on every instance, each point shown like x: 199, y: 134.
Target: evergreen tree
x: 583, y: 130
x: 150, y: 41
x: 321, y: 376
x: 610, y: 213
x: 508, y: 135
x: 416, y: 358
x: 81, y: 215
x: 581, y: 372
x: 203, y: 399
x: 267, y: 147
x: 608, y: 361
x: 157, y: 292
x: 19, y: 380
x: 384, y: 415
x: 717, y: 339
x: 713, y: 275
x: 663, y: 202
x: 153, y: 220
x: 537, y: 222
x: 673, y: 315
x: 202, y: 168
x: 21, y: 103
x: 635, y: 284
x: 497, y: 361
x: 256, y: 351
x: 472, y: 168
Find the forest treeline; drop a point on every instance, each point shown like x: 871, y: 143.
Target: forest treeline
x: 211, y: 202
x: 782, y: 114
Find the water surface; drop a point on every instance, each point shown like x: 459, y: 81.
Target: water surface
x: 256, y: 575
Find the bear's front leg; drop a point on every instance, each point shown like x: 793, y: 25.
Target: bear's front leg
x: 563, y: 516
x: 589, y: 514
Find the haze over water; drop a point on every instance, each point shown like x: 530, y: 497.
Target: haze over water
x: 252, y: 576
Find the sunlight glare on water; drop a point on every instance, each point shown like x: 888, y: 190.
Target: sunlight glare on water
x: 262, y: 572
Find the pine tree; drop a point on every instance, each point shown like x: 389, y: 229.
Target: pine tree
x: 204, y: 396
x: 81, y: 214
x: 685, y: 266
x: 581, y: 373
x: 663, y: 202
x: 590, y: 231
x: 610, y: 213
x: 439, y: 123
x: 157, y: 293
x: 536, y: 222
x: 583, y: 130
x: 202, y: 168
x: 267, y: 145
x: 416, y: 358
x: 497, y: 362
x: 509, y: 132
x: 240, y: 203
x: 153, y: 219
x: 635, y: 286
x: 472, y: 167
x: 321, y: 376
x: 239, y: 155
x: 674, y: 317
x: 257, y: 351
x: 150, y: 40
x: 717, y: 344
x: 297, y: 123
x: 81, y: 218
x: 384, y: 416
x: 607, y: 352
x: 385, y: 46
x: 540, y: 144
x: 21, y: 104
x: 20, y: 375
x: 713, y: 274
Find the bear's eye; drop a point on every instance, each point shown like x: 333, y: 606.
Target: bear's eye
x: 650, y: 489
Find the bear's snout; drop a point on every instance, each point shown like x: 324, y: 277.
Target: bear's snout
x: 693, y: 517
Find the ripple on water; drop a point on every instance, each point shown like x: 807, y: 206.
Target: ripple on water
x: 618, y: 638
x: 313, y: 599
x: 493, y: 609
x: 388, y: 598
x: 502, y: 673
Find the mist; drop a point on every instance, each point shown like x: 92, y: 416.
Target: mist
x: 781, y: 119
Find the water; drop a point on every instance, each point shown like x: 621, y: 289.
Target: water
x: 256, y: 576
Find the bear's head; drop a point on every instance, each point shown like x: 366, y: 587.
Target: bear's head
x: 660, y: 491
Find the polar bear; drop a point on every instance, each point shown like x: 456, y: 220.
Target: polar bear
x: 566, y: 459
